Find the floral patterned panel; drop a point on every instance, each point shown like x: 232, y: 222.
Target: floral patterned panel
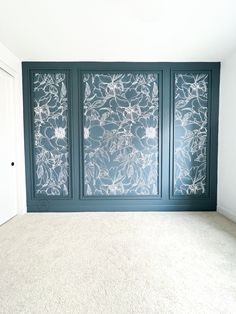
x: 50, y: 134
x: 121, y: 134
x: 190, y: 134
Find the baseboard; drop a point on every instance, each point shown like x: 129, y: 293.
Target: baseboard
x: 6, y: 218
x: 226, y: 213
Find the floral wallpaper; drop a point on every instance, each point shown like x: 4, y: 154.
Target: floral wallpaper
x: 190, y: 133
x: 121, y: 134
x: 50, y: 134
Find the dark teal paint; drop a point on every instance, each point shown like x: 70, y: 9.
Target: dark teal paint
x: 55, y: 102
x: 125, y: 197
x: 166, y: 201
x: 209, y: 149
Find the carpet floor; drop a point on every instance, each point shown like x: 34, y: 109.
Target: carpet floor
x: 118, y: 263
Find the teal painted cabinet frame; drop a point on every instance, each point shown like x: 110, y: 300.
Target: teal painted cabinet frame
x: 176, y: 105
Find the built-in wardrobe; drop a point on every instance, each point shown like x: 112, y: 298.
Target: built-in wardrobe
x: 103, y: 136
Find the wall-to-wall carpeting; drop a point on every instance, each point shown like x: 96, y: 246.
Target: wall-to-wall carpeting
x: 118, y: 263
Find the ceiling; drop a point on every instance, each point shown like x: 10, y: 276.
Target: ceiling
x: 119, y: 30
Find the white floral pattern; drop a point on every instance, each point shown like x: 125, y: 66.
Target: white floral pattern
x: 50, y: 134
x: 121, y: 134
x: 190, y: 133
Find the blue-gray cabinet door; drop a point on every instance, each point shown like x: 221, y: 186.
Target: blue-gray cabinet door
x: 120, y: 136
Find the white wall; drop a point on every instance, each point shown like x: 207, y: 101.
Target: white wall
x: 227, y: 139
x: 12, y: 64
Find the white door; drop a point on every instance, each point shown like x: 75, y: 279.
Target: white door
x: 8, y: 195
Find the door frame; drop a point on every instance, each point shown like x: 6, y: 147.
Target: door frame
x: 13, y: 74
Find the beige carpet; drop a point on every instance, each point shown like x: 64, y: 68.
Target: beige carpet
x: 118, y: 263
